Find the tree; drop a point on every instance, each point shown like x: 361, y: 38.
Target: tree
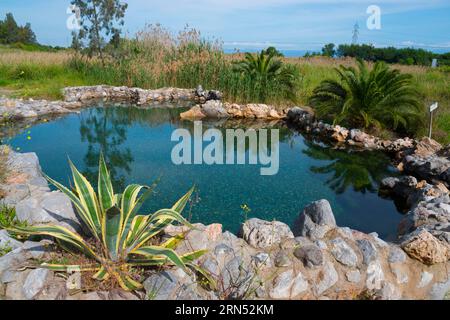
x: 378, y: 98
x: 11, y: 32
x: 101, y: 21
x: 328, y: 50
x: 272, y: 51
x: 264, y: 69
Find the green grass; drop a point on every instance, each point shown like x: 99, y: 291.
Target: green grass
x: 44, y: 74
x: 8, y: 218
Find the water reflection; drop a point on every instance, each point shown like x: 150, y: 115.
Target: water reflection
x: 349, y: 169
x: 105, y: 130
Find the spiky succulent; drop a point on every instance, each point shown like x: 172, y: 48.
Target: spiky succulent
x: 120, y: 236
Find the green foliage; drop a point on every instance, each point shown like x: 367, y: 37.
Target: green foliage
x: 8, y: 218
x: 101, y: 21
x: 265, y: 70
x: 5, y: 250
x: 408, y: 56
x: 11, y: 32
x: 121, y: 237
x: 329, y: 50
x: 272, y: 51
x: 378, y: 98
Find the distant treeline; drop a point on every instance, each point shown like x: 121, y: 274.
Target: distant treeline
x: 409, y: 56
x: 20, y: 37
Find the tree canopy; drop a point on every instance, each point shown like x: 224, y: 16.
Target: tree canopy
x: 11, y: 32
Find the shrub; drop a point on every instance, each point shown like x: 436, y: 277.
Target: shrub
x: 378, y: 98
x: 121, y: 238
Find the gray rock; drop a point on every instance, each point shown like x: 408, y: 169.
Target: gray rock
x: 263, y: 234
x: 13, y: 259
x: 328, y: 279
x: 396, y: 255
x: 375, y: 276
x: 400, y: 275
x: 7, y: 242
x: 316, y: 220
x: 440, y: 290
x: 368, y: 250
x: 35, y: 249
x: 282, y: 260
x: 343, y: 253
x: 214, y: 109
x: 262, y: 260
x: 425, y: 279
x: 35, y: 282
x: 389, y: 183
x: 353, y: 276
x: 389, y: 291
x: 48, y: 207
x: 288, y: 285
x: 168, y: 285
x: 310, y: 255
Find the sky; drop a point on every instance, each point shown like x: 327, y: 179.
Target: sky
x: 256, y: 24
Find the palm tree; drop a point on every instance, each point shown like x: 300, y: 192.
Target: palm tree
x: 266, y: 71
x: 377, y: 98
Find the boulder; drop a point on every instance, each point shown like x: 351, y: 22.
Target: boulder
x: 214, y: 109
x: 193, y: 113
x: 263, y: 234
x: 424, y: 247
x: 427, y: 147
x: 316, y: 220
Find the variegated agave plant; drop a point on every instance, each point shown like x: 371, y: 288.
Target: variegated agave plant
x: 121, y: 235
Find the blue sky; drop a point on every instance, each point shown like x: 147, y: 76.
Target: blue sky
x: 247, y: 24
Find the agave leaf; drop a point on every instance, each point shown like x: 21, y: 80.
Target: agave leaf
x: 110, y: 230
x: 181, y: 204
x: 105, y: 188
x: 60, y: 233
x: 88, y: 197
x: 128, y: 219
x: 206, y: 275
x: 173, y: 242
x: 82, y: 212
x: 101, y: 275
x: 152, y: 251
x: 70, y: 268
x: 146, y: 234
x: 171, y: 215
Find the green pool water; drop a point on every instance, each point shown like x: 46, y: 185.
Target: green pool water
x: 137, y: 145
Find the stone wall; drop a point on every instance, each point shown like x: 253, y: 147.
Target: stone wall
x: 217, y: 109
x: 315, y: 260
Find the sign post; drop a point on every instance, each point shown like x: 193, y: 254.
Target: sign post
x: 433, y: 107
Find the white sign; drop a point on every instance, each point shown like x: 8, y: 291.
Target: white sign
x: 434, y: 106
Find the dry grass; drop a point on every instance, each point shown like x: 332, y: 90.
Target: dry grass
x: 15, y: 56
